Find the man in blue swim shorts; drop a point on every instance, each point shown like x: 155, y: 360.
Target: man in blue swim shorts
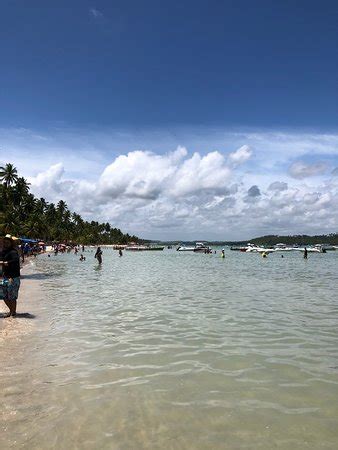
x: 11, y: 275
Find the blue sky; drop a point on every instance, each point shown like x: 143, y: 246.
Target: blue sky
x: 161, y: 63
x: 97, y: 97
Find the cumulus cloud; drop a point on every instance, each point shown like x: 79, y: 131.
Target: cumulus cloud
x: 137, y: 174
x: 48, y: 180
x: 241, y: 155
x: 300, y: 169
x: 208, y: 173
x: 254, y: 191
x: 278, y: 186
x: 180, y: 194
x: 139, y: 180
x: 143, y: 174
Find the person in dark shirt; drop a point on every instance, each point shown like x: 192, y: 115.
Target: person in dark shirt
x: 11, y: 275
x: 98, y: 255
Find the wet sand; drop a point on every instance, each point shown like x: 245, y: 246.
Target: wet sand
x: 15, y: 333
x: 27, y: 308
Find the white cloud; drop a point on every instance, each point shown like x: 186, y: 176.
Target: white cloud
x: 181, y: 194
x: 208, y: 173
x: 300, y: 169
x: 278, y: 186
x: 241, y: 155
x: 48, y: 180
x: 140, y: 174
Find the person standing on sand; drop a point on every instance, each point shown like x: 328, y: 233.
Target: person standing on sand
x: 98, y: 255
x: 11, y: 275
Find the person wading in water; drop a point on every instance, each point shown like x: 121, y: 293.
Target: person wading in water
x: 98, y: 255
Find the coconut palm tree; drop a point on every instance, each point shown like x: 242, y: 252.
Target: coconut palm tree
x: 8, y: 174
x: 20, y: 191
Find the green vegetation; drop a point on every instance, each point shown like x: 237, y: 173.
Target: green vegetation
x: 299, y: 239
x: 21, y: 214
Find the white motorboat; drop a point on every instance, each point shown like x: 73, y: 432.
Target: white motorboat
x: 200, y: 247
x: 184, y: 248
x: 256, y: 249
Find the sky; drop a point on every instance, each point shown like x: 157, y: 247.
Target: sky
x: 176, y: 120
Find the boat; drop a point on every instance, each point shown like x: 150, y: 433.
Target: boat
x: 142, y: 248
x: 280, y: 246
x: 249, y: 247
x: 202, y: 248
x: 325, y: 247
x: 252, y: 248
x: 199, y: 247
x: 185, y: 248
x: 256, y: 249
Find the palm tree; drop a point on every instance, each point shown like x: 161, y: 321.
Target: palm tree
x: 61, y: 208
x: 8, y: 174
x: 22, y: 213
x: 20, y: 191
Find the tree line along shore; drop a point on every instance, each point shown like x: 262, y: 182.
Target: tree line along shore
x: 269, y: 240
x: 22, y: 214
x: 291, y: 240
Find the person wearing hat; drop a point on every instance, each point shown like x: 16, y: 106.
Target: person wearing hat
x: 11, y: 274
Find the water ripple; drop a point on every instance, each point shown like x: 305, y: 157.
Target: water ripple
x: 178, y: 351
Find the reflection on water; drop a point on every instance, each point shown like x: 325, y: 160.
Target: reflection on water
x: 175, y: 351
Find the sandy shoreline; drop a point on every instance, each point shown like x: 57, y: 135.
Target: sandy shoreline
x: 27, y: 310
x: 18, y: 343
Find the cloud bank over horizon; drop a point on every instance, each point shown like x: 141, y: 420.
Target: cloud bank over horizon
x: 237, y: 186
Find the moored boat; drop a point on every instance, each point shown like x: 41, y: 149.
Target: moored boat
x: 142, y: 248
x: 200, y: 247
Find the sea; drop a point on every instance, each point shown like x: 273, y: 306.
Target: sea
x: 172, y: 350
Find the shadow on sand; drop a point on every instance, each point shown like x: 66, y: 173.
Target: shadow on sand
x: 19, y: 316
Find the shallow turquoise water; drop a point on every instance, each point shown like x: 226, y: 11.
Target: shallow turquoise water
x: 165, y: 350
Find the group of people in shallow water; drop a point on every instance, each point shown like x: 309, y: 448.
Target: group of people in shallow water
x: 62, y: 248
x: 10, y: 262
